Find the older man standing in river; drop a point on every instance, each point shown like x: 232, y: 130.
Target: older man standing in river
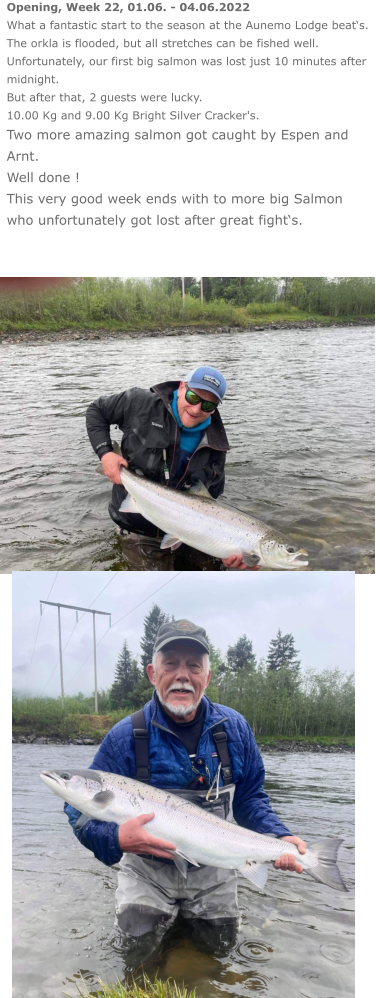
x: 172, y: 434
x: 181, y: 742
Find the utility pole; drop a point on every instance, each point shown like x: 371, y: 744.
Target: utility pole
x: 83, y: 609
x: 202, y: 291
x: 183, y: 290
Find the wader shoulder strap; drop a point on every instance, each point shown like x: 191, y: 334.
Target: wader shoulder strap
x: 220, y: 739
x: 141, y: 746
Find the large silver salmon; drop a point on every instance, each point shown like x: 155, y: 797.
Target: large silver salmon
x: 194, y: 518
x: 201, y: 838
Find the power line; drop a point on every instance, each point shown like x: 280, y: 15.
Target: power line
x: 85, y: 609
x: 36, y: 636
x: 122, y: 618
x: 74, y: 628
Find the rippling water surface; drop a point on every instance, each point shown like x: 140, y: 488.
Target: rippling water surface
x: 295, y: 938
x: 299, y: 421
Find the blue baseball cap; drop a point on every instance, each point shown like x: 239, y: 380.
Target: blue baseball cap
x: 208, y: 378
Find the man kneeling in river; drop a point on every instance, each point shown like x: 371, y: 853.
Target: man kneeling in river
x: 182, y: 742
x: 172, y: 433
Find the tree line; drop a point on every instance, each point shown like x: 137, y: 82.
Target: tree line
x: 333, y: 297
x: 275, y: 695
x: 89, y: 301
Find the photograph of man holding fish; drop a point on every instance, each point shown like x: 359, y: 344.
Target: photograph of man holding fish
x: 186, y: 451
x: 150, y: 894
x: 172, y: 799
x: 244, y: 407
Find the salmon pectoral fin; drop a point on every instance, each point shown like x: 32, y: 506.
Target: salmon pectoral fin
x: 257, y: 873
x: 168, y: 541
x: 181, y: 861
x: 128, y: 505
x: 250, y: 559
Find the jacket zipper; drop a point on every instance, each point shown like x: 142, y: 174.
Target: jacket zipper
x: 162, y: 728
x: 200, y: 446
x: 173, y: 453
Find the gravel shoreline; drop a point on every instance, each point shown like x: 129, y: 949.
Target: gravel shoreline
x: 48, y: 336
x: 282, y: 746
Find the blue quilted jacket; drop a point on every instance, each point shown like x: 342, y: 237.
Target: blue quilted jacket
x: 170, y: 766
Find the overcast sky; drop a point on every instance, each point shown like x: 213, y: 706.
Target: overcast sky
x: 316, y: 607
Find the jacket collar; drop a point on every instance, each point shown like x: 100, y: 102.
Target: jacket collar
x: 211, y: 713
x: 215, y: 433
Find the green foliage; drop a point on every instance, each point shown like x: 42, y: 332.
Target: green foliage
x: 282, y: 654
x: 240, y: 655
x: 113, y: 303
x: 146, y: 989
x: 152, y: 622
x: 126, y: 675
x: 275, y: 696
x: 313, y: 704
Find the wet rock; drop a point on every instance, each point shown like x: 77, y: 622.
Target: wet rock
x: 85, y: 741
x: 287, y: 746
x: 47, y: 336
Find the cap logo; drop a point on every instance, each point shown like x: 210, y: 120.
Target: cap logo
x: 214, y: 381
x: 185, y: 625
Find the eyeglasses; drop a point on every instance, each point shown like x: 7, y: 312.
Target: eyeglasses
x: 194, y: 399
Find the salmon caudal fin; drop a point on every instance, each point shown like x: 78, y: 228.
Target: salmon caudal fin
x: 327, y: 871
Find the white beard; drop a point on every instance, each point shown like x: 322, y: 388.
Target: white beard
x: 180, y: 710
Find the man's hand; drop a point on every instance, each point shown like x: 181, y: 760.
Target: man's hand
x: 288, y: 862
x: 134, y: 838
x: 236, y: 561
x: 111, y: 464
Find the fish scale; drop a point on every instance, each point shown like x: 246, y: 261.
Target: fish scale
x: 207, y: 525
x: 200, y: 837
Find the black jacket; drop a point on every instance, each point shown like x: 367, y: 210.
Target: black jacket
x: 145, y: 418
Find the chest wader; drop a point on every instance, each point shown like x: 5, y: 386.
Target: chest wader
x: 218, y: 800
x: 152, y: 892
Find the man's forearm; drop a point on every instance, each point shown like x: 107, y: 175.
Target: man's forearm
x: 101, y: 837
x: 98, y: 429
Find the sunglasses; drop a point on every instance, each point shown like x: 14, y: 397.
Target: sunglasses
x: 194, y: 399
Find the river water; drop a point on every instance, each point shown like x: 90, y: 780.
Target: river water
x: 299, y: 419
x: 295, y: 938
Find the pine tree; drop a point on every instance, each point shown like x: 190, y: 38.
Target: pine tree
x: 218, y: 673
x: 152, y: 622
x: 283, y: 654
x: 126, y: 675
x: 241, y: 656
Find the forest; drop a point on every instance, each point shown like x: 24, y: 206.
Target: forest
x: 276, y: 695
x: 140, y: 303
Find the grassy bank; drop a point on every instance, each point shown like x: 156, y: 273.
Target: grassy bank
x: 212, y: 314
x: 148, y: 989
x: 65, y: 727
x: 74, y: 727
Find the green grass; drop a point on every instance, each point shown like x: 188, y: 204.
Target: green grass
x: 148, y: 989
x: 69, y: 725
x: 193, y: 314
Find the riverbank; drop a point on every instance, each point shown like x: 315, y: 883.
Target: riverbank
x: 39, y: 333
x: 265, y: 744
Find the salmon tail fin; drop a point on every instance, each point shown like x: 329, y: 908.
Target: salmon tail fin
x: 327, y: 871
